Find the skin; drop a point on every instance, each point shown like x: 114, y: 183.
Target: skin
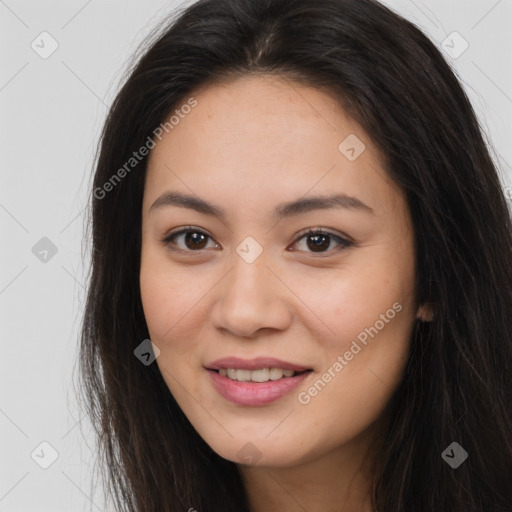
x: 246, y: 147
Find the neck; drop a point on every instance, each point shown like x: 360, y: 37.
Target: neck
x: 337, y: 481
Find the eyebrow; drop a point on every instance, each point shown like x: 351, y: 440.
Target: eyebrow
x: 282, y: 210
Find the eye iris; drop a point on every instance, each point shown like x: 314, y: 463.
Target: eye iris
x: 194, y: 237
x: 319, y: 242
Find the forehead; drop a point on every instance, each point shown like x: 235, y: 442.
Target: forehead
x: 266, y: 137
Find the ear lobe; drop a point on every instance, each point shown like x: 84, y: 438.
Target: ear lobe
x: 425, y: 313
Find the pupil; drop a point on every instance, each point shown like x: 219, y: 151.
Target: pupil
x: 317, y: 243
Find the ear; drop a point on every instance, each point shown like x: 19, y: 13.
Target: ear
x: 425, y: 313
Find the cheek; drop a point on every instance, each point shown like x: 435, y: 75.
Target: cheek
x: 165, y: 293
x: 170, y: 303
x: 174, y: 302
x: 370, y: 317
x: 158, y: 293
x: 345, y: 304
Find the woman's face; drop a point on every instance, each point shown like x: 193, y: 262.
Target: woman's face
x: 245, y: 280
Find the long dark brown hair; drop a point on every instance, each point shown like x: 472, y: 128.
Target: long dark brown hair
x: 457, y: 386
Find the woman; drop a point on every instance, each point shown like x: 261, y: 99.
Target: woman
x: 300, y: 287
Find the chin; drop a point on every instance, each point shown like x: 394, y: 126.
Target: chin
x: 259, y: 452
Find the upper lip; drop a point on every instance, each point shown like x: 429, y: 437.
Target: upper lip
x: 254, y: 364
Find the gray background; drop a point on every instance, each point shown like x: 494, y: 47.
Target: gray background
x: 51, y: 111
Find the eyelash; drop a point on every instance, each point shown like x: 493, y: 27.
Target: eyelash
x: 344, y: 243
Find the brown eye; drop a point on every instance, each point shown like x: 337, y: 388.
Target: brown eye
x: 318, y: 241
x: 193, y: 240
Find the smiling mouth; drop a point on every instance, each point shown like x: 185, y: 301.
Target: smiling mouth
x: 259, y: 375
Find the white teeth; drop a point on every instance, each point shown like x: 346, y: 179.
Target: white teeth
x: 260, y: 375
x: 243, y: 375
x: 263, y: 375
x: 276, y: 373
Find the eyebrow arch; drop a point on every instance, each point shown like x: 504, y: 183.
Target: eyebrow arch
x: 282, y: 210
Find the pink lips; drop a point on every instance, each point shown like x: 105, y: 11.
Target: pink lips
x: 254, y: 393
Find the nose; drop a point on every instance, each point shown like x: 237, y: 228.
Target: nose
x: 251, y: 298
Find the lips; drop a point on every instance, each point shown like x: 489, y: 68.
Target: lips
x: 255, y: 364
x: 254, y: 393
x: 244, y: 381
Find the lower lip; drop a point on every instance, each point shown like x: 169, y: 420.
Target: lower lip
x: 254, y: 393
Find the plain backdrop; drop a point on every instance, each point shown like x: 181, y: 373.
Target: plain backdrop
x: 51, y: 111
